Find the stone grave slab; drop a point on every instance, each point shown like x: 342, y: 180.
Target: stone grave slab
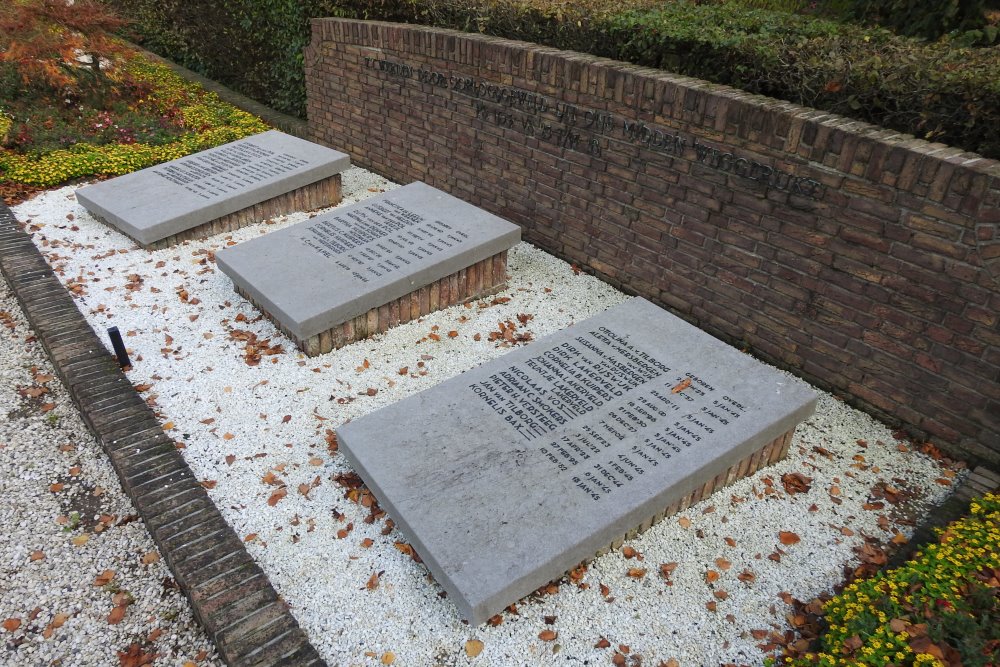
x: 513, y: 473
x: 219, y: 189
x: 364, y: 268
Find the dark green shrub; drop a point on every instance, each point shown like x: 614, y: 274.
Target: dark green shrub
x: 944, y: 91
x: 254, y: 46
x: 934, y: 91
x: 922, y: 18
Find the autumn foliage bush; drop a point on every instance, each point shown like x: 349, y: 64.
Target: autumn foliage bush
x: 77, y: 102
x: 57, y: 47
x: 938, y: 91
x: 941, y: 609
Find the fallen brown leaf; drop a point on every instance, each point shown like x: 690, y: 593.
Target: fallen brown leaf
x: 135, y: 656
x: 681, y: 386
x: 788, y: 538
x: 666, y: 569
x: 104, y: 578
x: 473, y: 647
x: 117, y: 614
x: 277, y: 496
x: 795, y: 482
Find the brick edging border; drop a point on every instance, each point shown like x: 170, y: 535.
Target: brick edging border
x: 230, y: 595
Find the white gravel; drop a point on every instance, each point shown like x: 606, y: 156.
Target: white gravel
x: 58, y: 540
x: 244, y: 426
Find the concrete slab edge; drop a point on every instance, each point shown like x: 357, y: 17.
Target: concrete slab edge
x: 215, y: 576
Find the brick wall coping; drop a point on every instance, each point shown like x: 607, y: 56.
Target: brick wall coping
x: 230, y: 595
x: 329, y: 28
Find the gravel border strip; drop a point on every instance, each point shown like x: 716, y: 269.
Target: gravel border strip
x: 229, y: 593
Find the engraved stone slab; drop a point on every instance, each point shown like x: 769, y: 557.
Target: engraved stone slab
x: 512, y: 473
x: 169, y: 198
x: 324, y: 271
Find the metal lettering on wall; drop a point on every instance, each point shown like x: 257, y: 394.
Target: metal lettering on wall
x: 588, y: 130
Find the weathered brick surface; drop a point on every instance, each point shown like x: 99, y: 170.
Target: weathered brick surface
x: 867, y: 261
x: 229, y: 593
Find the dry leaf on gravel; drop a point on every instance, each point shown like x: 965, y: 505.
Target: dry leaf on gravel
x: 473, y: 647
x: 795, y: 482
x: 277, y: 496
x: 135, y: 656
x: 104, y: 578
x: 788, y: 538
x: 117, y: 614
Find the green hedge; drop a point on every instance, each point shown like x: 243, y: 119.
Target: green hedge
x: 922, y: 18
x: 934, y: 90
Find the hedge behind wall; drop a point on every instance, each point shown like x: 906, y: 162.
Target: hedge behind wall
x: 934, y: 91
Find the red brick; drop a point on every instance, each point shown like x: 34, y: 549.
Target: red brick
x: 875, y: 265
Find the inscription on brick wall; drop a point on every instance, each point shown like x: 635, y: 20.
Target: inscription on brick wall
x: 588, y: 130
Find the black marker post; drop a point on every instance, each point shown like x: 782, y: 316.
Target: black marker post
x: 119, y: 345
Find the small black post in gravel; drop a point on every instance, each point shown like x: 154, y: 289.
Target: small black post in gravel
x: 119, y: 345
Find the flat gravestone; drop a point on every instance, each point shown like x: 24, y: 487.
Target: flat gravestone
x: 512, y: 473
x: 364, y: 268
x: 218, y: 189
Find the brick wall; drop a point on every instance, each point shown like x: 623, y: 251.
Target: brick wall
x: 863, y: 260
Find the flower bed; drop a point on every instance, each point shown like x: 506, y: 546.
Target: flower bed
x: 161, y: 117
x: 941, y: 608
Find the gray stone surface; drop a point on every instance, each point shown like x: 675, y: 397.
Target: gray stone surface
x: 159, y: 201
x: 324, y: 271
x: 512, y: 473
